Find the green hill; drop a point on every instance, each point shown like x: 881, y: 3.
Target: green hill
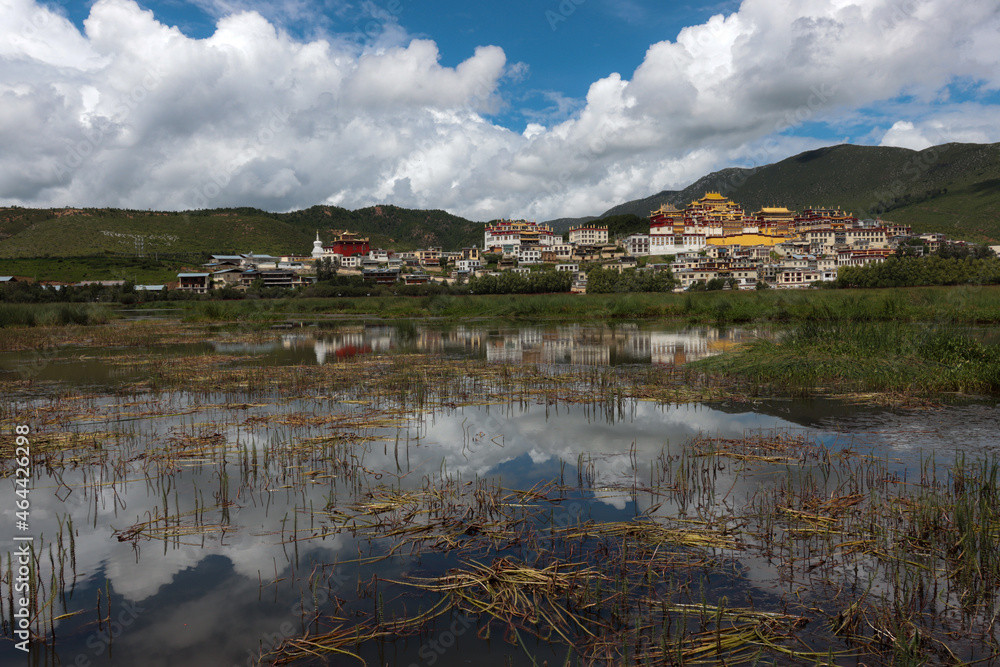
x: 392, y: 226
x: 88, y: 232
x: 953, y: 188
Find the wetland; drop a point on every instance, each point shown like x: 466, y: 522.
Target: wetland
x: 478, y: 491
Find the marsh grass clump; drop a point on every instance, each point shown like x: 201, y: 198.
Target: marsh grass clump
x: 860, y: 356
x: 53, y: 314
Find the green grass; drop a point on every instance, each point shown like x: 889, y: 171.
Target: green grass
x: 953, y: 305
x: 863, y: 356
x: 142, y: 271
x: 970, y: 305
x: 116, y: 232
x: 31, y: 315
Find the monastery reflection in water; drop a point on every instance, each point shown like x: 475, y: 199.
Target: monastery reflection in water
x: 577, y: 344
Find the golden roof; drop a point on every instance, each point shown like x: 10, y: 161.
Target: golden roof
x: 665, y: 209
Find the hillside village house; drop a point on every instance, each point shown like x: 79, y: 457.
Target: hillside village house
x: 637, y: 245
x: 559, y: 252
x: 529, y: 255
x: 199, y: 283
x: 229, y: 277
x: 589, y: 235
x: 626, y: 262
x: 430, y: 257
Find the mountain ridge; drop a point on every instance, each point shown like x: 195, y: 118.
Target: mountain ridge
x: 952, y: 188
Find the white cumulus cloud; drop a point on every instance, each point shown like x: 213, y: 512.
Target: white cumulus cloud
x: 132, y: 112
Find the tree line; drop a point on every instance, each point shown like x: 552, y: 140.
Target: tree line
x: 916, y: 271
x: 609, y: 281
x: 508, y: 282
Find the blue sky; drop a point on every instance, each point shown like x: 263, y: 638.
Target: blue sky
x: 528, y: 109
x: 563, y: 46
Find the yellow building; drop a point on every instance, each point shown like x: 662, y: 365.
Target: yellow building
x: 775, y: 214
x: 747, y: 239
x: 713, y: 206
x: 776, y: 220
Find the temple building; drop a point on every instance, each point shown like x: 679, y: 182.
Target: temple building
x: 666, y: 220
x: 714, y: 220
x: 714, y: 215
x: 816, y: 217
x: 346, y: 244
x: 775, y: 221
x: 508, y: 235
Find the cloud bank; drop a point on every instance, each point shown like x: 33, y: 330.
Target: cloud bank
x: 133, y: 113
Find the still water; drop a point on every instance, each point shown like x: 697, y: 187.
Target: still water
x: 206, y: 530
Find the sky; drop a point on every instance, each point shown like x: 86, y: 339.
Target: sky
x: 532, y: 109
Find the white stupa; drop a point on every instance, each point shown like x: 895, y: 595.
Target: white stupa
x: 317, y: 252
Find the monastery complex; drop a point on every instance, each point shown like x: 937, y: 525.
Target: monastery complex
x: 712, y: 220
x: 712, y: 238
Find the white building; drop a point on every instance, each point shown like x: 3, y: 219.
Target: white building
x: 592, y: 235
x: 670, y: 244
x: 529, y: 256
x: 637, y: 245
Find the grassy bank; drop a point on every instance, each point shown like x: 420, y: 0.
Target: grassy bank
x: 965, y: 305
x: 954, y: 305
x: 862, y: 357
x: 52, y: 314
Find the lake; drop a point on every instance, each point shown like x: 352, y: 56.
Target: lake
x: 441, y: 494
